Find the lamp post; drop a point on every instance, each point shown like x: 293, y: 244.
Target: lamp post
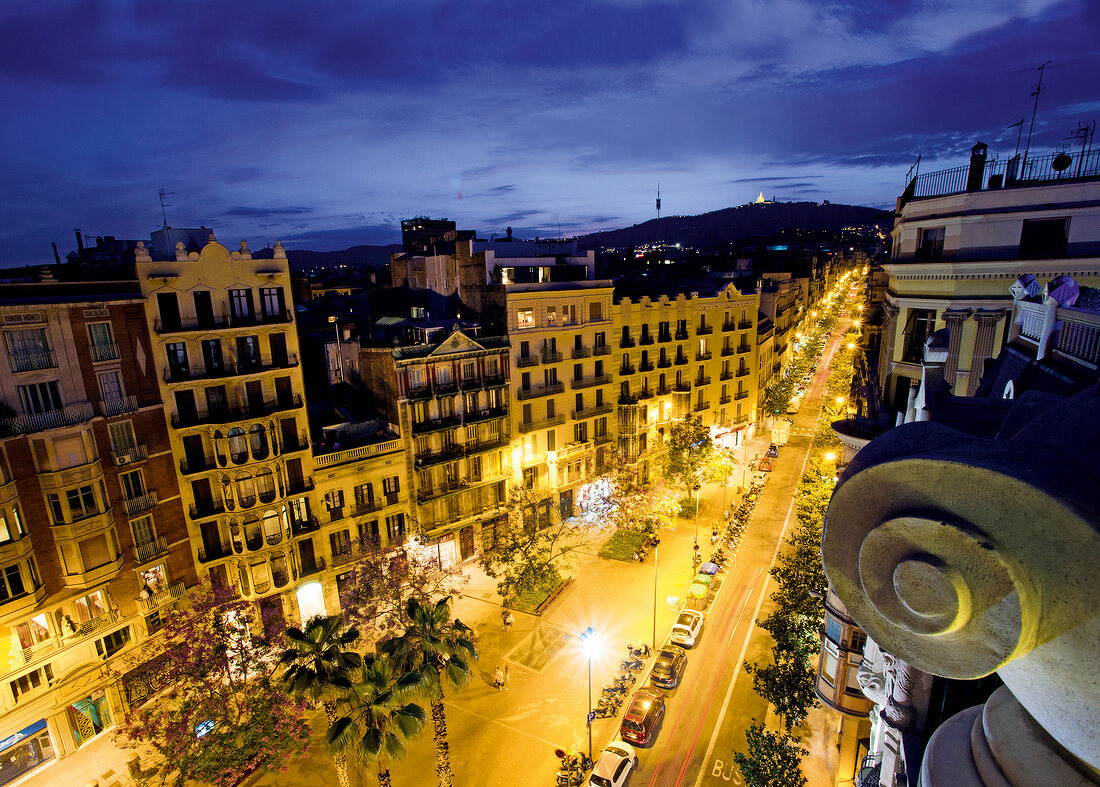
x: 656, y: 544
x: 590, y: 644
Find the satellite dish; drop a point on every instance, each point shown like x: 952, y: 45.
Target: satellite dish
x: 1061, y: 162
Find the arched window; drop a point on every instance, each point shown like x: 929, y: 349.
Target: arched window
x: 238, y: 445
x: 265, y: 486
x: 273, y: 530
x: 246, y: 490
x: 257, y: 439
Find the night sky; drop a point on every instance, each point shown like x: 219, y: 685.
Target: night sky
x: 325, y: 123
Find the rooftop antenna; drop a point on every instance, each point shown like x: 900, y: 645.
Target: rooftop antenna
x: 163, y: 204
x: 1038, y: 89
x: 1019, y: 124
x: 658, y: 199
x: 1083, y: 132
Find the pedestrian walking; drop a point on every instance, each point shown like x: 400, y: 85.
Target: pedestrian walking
x: 506, y: 616
x: 498, y: 679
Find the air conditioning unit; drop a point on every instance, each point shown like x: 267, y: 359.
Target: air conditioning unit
x: 124, y: 459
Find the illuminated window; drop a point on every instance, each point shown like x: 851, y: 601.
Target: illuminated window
x: 525, y: 318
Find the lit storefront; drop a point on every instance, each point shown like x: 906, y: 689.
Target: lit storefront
x: 24, y: 751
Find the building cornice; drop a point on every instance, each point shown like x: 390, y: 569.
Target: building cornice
x: 991, y: 269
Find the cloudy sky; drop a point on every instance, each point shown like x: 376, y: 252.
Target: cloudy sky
x: 325, y: 123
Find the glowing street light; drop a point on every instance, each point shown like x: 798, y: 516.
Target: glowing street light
x: 851, y: 345
x: 830, y: 457
x: 590, y: 643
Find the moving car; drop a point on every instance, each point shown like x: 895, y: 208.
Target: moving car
x: 765, y: 465
x: 773, y: 451
x: 614, y: 766
x: 640, y: 721
x: 669, y: 668
x: 686, y: 629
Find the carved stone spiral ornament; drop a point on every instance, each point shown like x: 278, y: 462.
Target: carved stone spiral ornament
x: 963, y: 556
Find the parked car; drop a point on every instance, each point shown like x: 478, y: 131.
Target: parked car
x: 669, y: 668
x: 773, y: 451
x: 614, y: 766
x: 765, y: 465
x: 640, y: 721
x: 687, y: 628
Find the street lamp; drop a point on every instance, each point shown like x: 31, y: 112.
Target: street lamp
x: 656, y: 544
x: 830, y: 457
x: 591, y: 645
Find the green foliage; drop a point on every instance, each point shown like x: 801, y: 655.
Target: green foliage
x: 689, y: 451
x: 532, y: 550
x: 623, y: 544
x: 319, y: 657
x: 637, y: 506
x: 788, y: 686
x: 529, y: 600
x: 722, y: 463
x: 773, y: 759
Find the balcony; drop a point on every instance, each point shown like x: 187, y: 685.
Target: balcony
x: 646, y: 339
x: 211, y: 508
x: 103, y: 352
x: 663, y: 390
x: 645, y: 366
x: 627, y: 369
x: 729, y: 326
x: 741, y: 395
x: 703, y: 356
x: 109, y: 408
x: 664, y: 363
x: 728, y: 350
x: 197, y: 464
x: 724, y: 399
x: 249, y: 320
x: 744, y: 348
x: 591, y: 412
x: 602, y: 349
x: 229, y: 414
x: 680, y: 360
x: 315, y: 567
x: 297, y: 486
x: 601, y: 439
x: 484, y: 415
x: 129, y: 456
x: 552, y: 357
x: 176, y: 374
x: 681, y: 335
x: 143, y: 553
x: 1006, y: 173
x: 588, y: 382
x: 209, y: 553
x: 30, y: 361
x: 534, y: 426
x: 744, y: 325
x: 704, y: 330
x: 627, y: 342
x: 526, y: 361
x: 541, y: 390
x: 95, y: 575
x: 701, y: 406
x: 448, y: 454
x: 580, y: 352
x: 299, y: 527
x: 436, y: 424
x: 682, y: 387
x: 175, y: 592
x: 725, y: 375
x: 356, y: 454
x: 645, y: 393
x: 140, y: 504
x: 190, y: 323
x: 419, y: 393
x: 744, y: 372
x: 702, y: 381
x: 25, y: 423
x: 449, y: 388
x: 494, y: 381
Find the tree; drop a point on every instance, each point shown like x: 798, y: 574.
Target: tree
x: 533, y: 548
x: 793, y: 633
x: 381, y: 581
x: 441, y: 651
x: 317, y: 666
x: 376, y: 720
x: 643, y: 507
x: 788, y: 686
x: 772, y: 760
x: 689, y: 449
x: 223, y: 714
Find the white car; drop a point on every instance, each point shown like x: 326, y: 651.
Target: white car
x: 614, y: 766
x: 686, y: 629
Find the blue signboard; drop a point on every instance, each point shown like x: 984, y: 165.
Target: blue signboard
x: 26, y: 732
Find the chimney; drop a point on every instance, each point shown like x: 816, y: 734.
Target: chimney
x: 976, y: 174
x: 79, y: 240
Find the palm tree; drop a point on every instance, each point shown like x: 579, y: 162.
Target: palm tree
x: 317, y: 667
x: 376, y: 724
x: 437, y: 648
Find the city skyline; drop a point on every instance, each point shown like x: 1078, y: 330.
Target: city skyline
x: 325, y: 131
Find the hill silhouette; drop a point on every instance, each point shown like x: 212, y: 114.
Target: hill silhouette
x: 728, y: 224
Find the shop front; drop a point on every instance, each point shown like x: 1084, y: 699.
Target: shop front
x: 88, y: 717
x: 23, y: 751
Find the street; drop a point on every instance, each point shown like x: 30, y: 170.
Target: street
x: 508, y: 737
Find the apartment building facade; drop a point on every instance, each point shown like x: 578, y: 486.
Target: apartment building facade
x: 90, y: 514
x: 449, y: 400
x: 225, y: 353
x: 960, y: 238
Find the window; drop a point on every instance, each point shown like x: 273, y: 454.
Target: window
x: 364, y: 495
x: 82, y: 502
x: 931, y: 243
x: 833, y: 629
x: 580, y: 432
x: 96, y: 552
x: 110, y: 385
x: 391, y: 485
x: 122, y: 436
x: 468, y: 372
x: 551, y: 440
x: 600, y: 427
x: 334, y: 499
x: 1042, y: 238
x: 829, y: 659
x: 90, y: 607
x: 101, y: 341
x: 143, y: 530
x: 526, y: 413
x: 11, y: 583
x: 113, y: 642
x: 240, y: 304
x: 525, y: 318
x: 40, y: 397
x: 595, y: 311
x: 43, y: 676
x: 133, y: 485
x: 551, y: 315
x: 248, y: 351
x: 271, y: 300
x: 340, y: 542
x: 492, y: 367
x: 395, y: 528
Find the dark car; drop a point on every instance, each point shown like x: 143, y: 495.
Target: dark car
x: 669, y: 668
x: 773, y: 451
x: 640, y: 721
